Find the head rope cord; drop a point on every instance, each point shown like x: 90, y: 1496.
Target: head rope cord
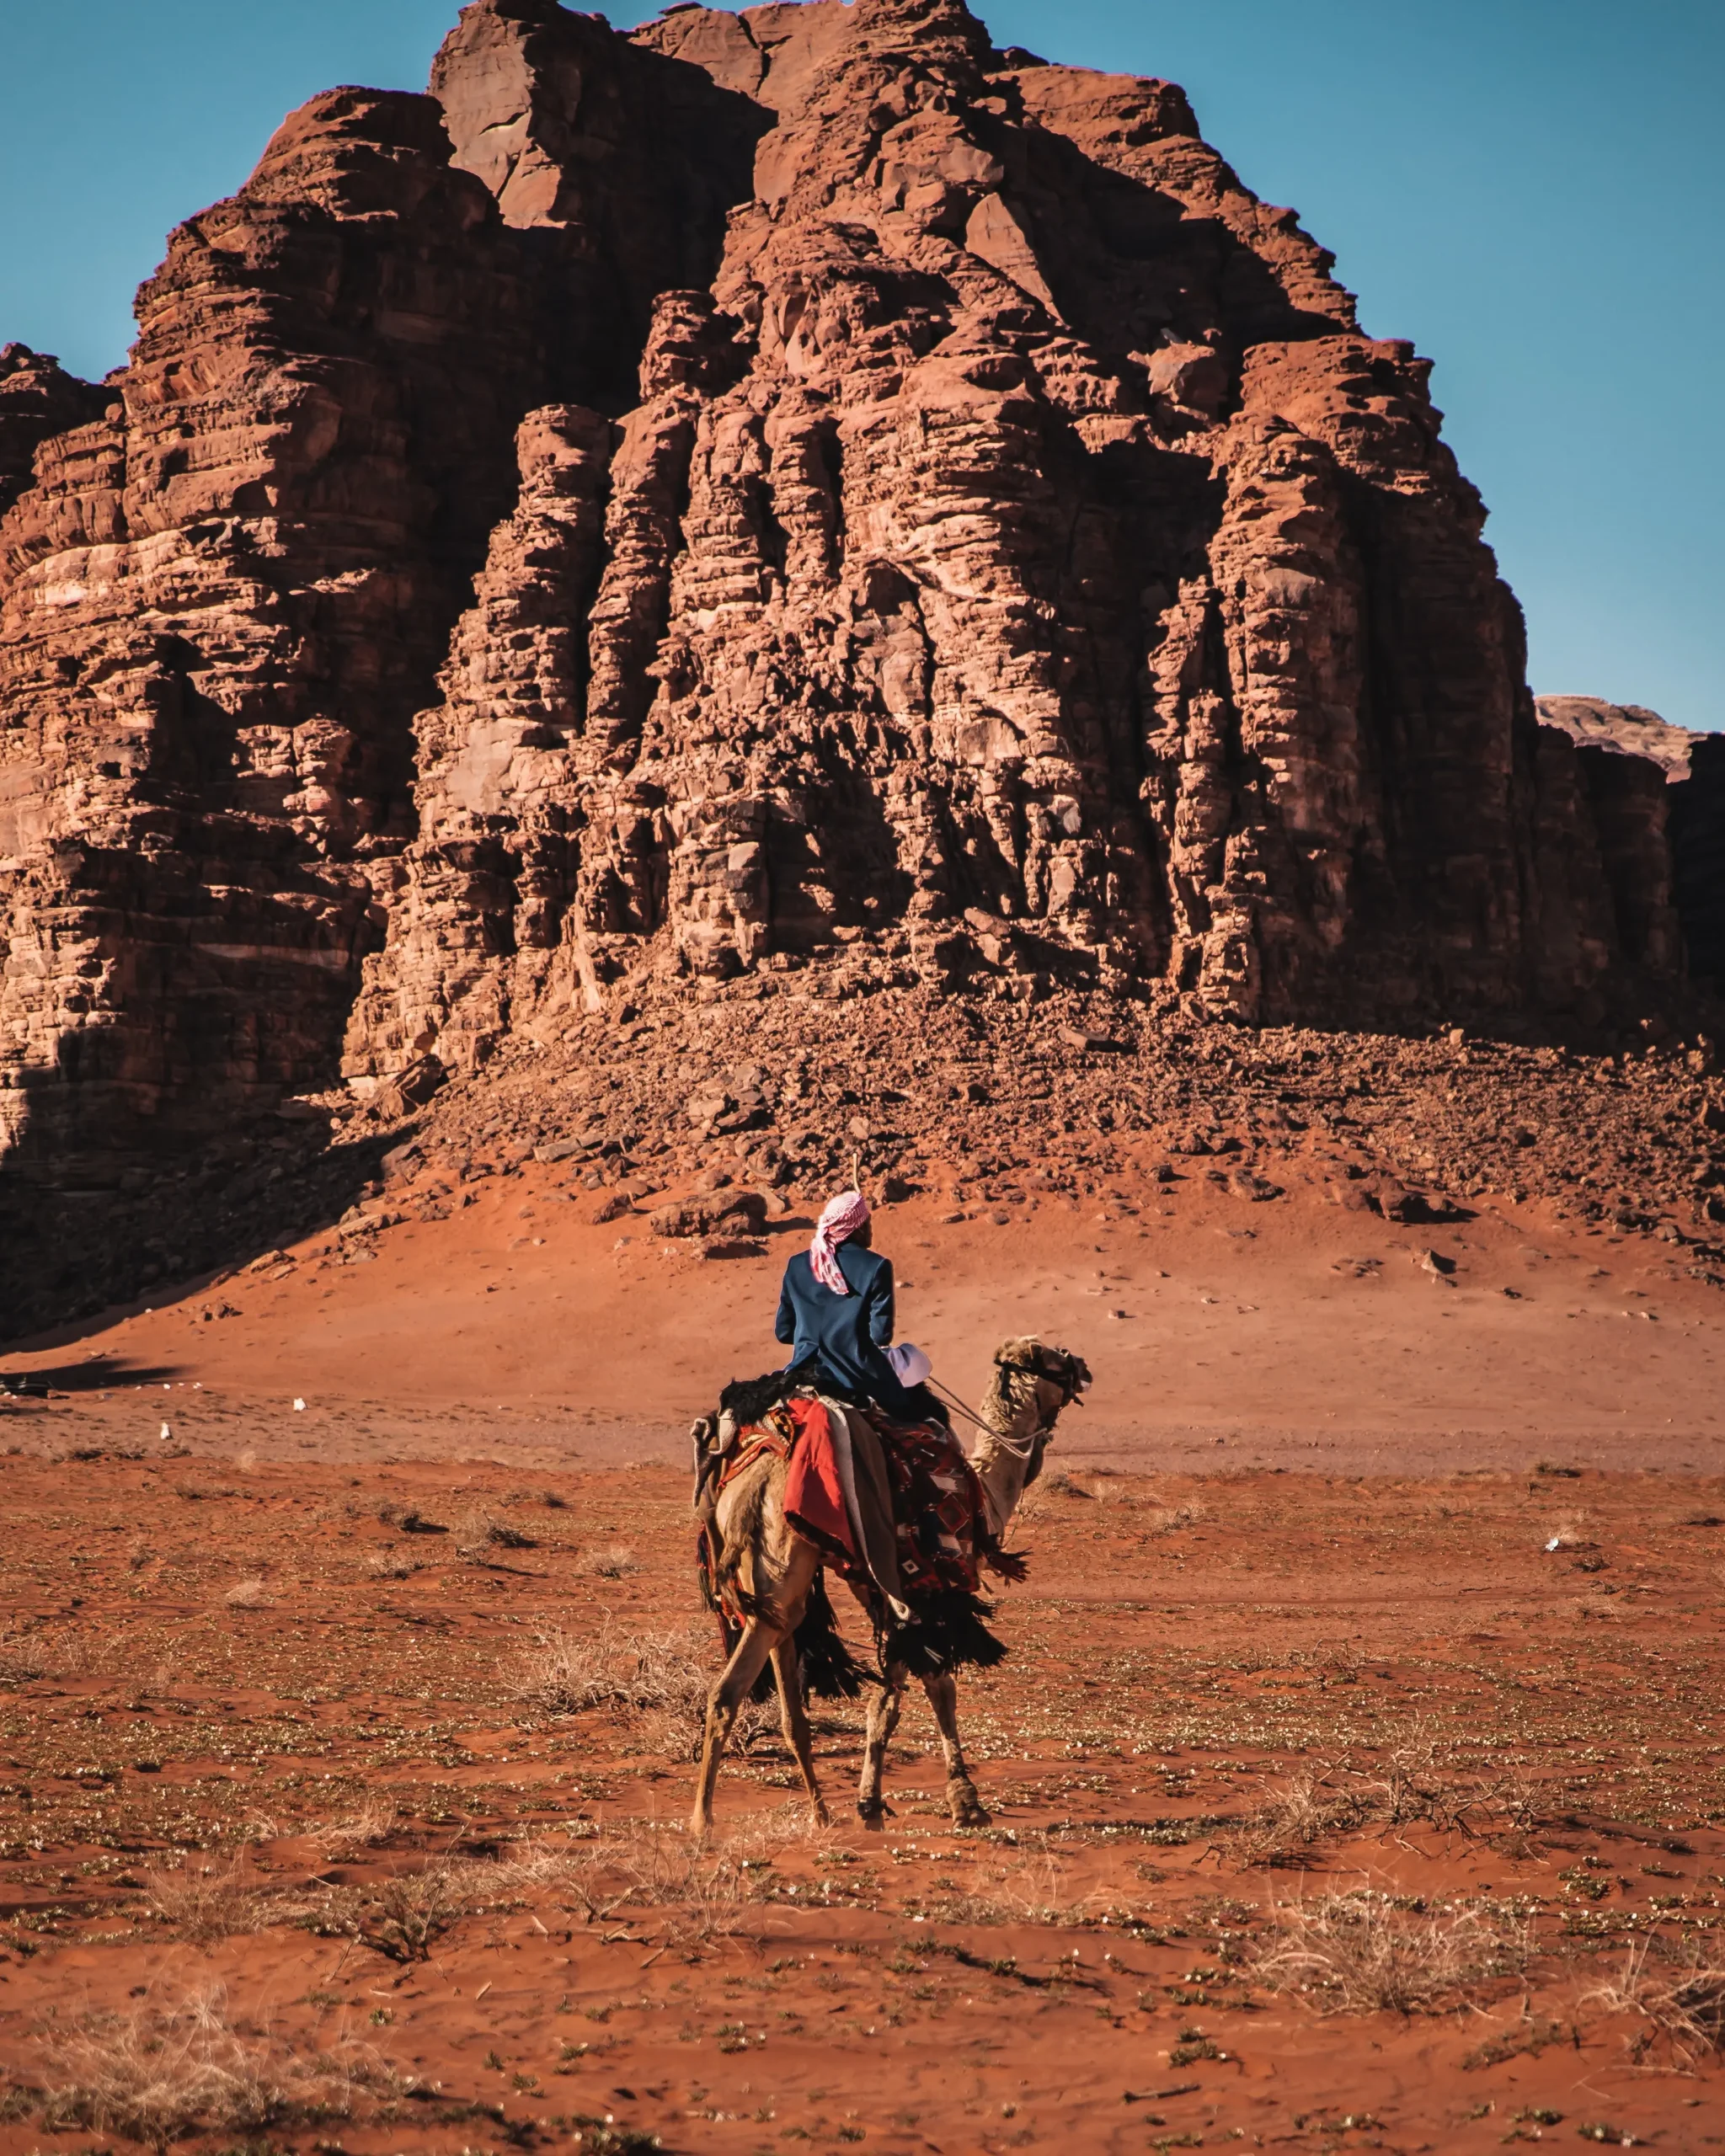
x: 1068, y: 1393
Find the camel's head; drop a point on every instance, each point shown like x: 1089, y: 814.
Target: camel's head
x: 1032, y: 1383
x: 1028, y: 1374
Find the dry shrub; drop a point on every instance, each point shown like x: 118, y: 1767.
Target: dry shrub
x: 1170, y: 1519
x: 607, y: 1561
x: 1412, y: 1786
x: 387, y: 1565
x: 1119, y: 1488
x: 1513, y: 1802
x: 253, y: 1594
x: 1677, y: 1990
x: 652, y: 1876
x: 404, y: 1918
x: 694, y: 1896
x: 375, y: 1822
x: 211, y: 1901
x: 1029, y: 1887
x: 1359, y: 1954
x: 1059, y: 1483
x: 1307, y: 1810
x: 24, y: 1657
x: 659, y: 1678
x: 477, y: 1534
x: 161, y: 2072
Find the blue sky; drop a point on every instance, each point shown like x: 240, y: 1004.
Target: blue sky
x: 1533, y: 191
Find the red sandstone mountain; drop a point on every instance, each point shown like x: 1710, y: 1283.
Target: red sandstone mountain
x: 786, y: 489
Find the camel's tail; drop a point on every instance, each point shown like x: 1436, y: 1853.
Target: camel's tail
x: 829, y: 1669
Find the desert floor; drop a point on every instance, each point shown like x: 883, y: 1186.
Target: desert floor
x: 1355, y: 1773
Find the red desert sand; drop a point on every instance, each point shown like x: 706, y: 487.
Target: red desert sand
x: 1352, y: 1773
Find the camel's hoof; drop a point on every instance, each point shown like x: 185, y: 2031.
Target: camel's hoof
x: 820, y: 1814
x: 875, y: 1816
x: 967, y: 1806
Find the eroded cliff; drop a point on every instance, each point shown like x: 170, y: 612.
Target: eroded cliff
x: 1018, y: 570
x: 228, y: 594
x: 795, y: 491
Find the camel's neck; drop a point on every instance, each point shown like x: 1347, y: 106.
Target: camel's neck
x: 1002, y: 1459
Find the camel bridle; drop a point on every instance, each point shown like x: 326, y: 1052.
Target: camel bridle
x: 1070, y: 1386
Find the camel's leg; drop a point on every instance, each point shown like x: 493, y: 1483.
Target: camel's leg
x: 736, y: 1681
x: 961, y: 1800
x: 793, y: 1720
x: 882, y: 1719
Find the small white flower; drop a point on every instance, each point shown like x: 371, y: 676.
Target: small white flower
x: 299, y: 1407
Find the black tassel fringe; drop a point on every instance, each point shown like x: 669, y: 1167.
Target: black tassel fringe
x: 945, y: 1631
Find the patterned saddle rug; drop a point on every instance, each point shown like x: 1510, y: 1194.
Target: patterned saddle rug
x: 939, y: 1514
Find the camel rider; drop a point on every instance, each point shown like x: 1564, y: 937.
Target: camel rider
x: 835, y: 1307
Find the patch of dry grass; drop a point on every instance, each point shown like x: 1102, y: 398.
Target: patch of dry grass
x: 693, y: 1898
x: 1170, y: 1519
x: 1677, y: 1990
x: 1050, y: 1488
x: 24, y: 1657
x: 390, y: 1564
x: 28, y: 1657
x: 345, y: 1840
x: 1408, y: 1783
x: 651, y: 1875
x: 1307, y: 1810
x: 610, y: 1561
x: 479, y: 1533
x: 1028, y: 1887
x: 1359, y: 1954
x: 659, y: 1679
x: 161, y: 2072
x: 203, y: 1902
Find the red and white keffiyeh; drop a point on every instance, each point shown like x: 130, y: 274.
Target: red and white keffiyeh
x: 840, y: 1220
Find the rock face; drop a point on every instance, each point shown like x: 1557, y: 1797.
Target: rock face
x: 231, y: 589
x: 801, y: 486
x: 1654, y: 798
x: 38, y: 398
x: 222, y: 598
x: 1019, y: 569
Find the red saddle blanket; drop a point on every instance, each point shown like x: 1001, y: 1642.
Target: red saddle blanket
x: 940, y: 1518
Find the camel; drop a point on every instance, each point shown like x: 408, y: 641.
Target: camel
x: 779, y: 1569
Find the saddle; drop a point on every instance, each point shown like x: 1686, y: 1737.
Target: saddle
x: 896, y: 1509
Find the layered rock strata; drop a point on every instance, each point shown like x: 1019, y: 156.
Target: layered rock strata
x: 1655, y: 802
x: 795, y: 488
x: 230, y: 589
x: 1018, y: 570
x: 38, y: 398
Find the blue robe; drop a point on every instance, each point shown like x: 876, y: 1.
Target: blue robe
x: 845, y: 1334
